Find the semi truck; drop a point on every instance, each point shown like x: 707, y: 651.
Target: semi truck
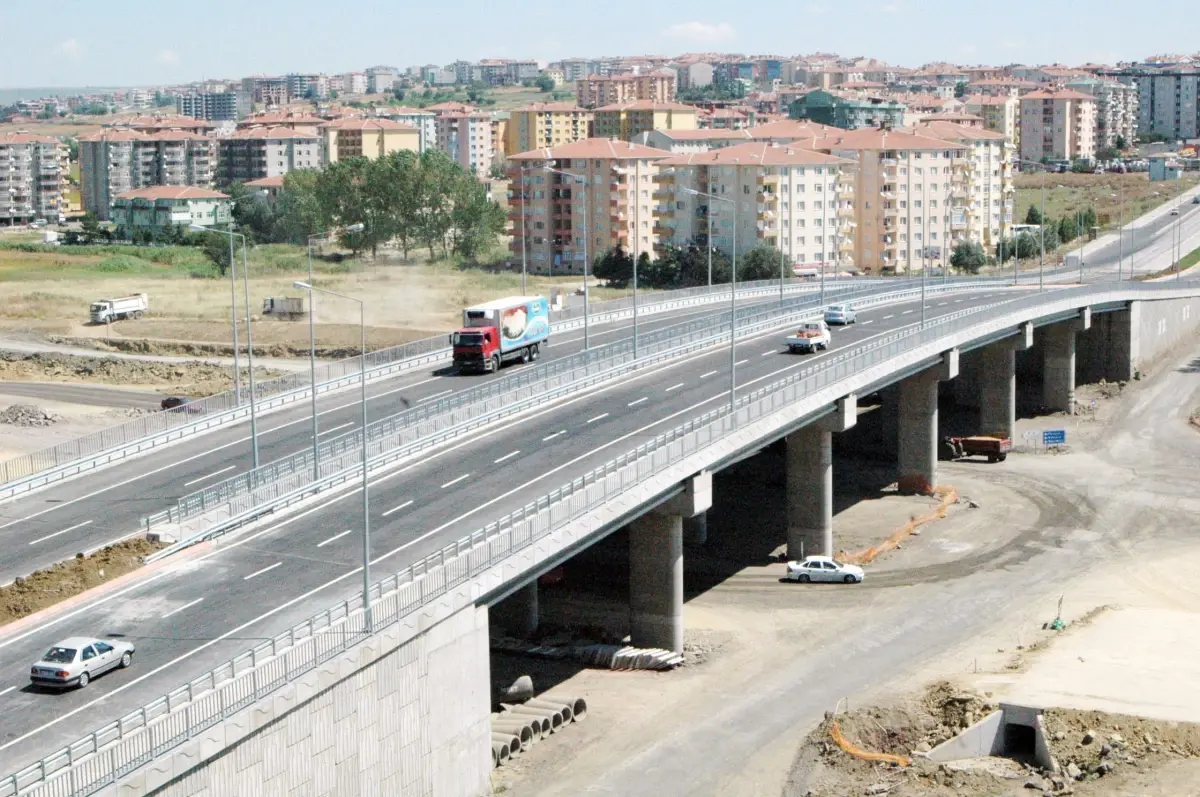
x: 105, y: 311
x: 501, y: 331
x: 811, y: 336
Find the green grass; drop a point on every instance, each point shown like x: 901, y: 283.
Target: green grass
x: 1111, y: 195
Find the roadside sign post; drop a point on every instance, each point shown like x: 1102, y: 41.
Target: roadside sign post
x: 1054, y: 437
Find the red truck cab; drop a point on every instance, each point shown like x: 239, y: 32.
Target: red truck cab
x: 513, y: 329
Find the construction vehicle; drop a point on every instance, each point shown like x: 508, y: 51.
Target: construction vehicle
x: 105, y: 311
x: 501, y: 331
x: 288, y: 307
x: 994, y: 447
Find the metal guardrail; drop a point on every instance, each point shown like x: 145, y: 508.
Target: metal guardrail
x: 289, y: 479
x: 120, y: 747
x: 30, y: 471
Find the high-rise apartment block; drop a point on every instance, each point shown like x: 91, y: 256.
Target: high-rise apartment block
x: 354, y: 82
x: 114, y: 162
x: 1116, y: 109
x: 33, y: 175
x: 988, y: 182
x: 559, y: 223
x: 266, y: 91
x: 546, y: 124
x: 215, y: 106
x: 352, y: 137
x: 630, y: 119
x: 253, y: 153
x: 596, y: 90
x: 1000, y: 114
x: 1058, y: 124
x: 467, y: 138
x: 422, y: 120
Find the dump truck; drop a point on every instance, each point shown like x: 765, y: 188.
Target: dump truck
x: 994, y: 447
x: 105, y: 311
x: 812, y: 336
x: 505, y: 330
x: 289, y: 307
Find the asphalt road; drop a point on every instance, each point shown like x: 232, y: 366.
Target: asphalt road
x: 96, y: 395
x: 195, y: 614
x: 90, y: 511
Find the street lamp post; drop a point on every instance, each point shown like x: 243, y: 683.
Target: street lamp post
x: 366, y: 506
x: 524, y: 234
x: 312, y: 347
x: 237, y: 371
x: 732, y: 297
x: 582, y: 180
x: 249, y: 334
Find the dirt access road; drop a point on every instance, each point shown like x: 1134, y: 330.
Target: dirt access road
x: 982, y: 581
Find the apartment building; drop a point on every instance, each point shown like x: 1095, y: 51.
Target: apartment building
x: 797, y: 200
x: 546, y: 124
x: 214, y: 106
x: 679, y: 142
x: 354, y: 82
x: 296, y: 120
x: 630, y: 119
x: 33, y: 178
x: 989, y: 186
x: 1000, y: 114
x: 424, y: 121
x: 352, y: 136
x: 156, y: 123
x: 264, y: 90
x: 253, y: 153
x: 847, y: 112
x: 308, y: 86
x: 114, y: 161
x: 157, y: 207
x: 596, y: 91
x: 695, y: 75
x: 910, y: 197
x: 381, y: 79
x: 725, y: 119
x: 467, y: 138
x: 560, y: 229
x: 1058, y: 124
x: 1168, y: 100
x: 1116, y: 109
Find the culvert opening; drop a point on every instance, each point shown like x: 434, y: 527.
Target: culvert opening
x: 1020, y: 742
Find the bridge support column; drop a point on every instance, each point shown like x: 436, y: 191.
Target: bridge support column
x: 656, y: 567
x: 810, y: 481
x: 518, y: 613
x: 918, y: 417
x: 998, y: 384
x: 695, y: 529
x: 1125, y: 342
x: 1058, y: 363
x: 966, y: 384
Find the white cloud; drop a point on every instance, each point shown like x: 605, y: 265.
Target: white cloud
x: 816, y: 9
x: 701, y: 33
x: 168, y: 57
x: 72, y: 49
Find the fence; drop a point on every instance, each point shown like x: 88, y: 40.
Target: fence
x: 120, y: 747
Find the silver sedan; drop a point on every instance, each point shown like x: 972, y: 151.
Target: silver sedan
x: 76, y: 661
x: 840, y: 314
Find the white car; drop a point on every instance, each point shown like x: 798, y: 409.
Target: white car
x: 823, y: 568
x: 840, y: 314
x: 77, y: 660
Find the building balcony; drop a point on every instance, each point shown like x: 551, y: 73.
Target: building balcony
x: 889, y: 173
x: 846, y: 209
x: 958, y: 225
x: 889, y: 162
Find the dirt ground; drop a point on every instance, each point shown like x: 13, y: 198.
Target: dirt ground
x: 60, y: 581
x: 1070, y: 193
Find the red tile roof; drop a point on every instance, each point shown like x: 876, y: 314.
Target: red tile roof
x: 647, y: 105
x: 950, y: 131
x: 22, y: 137
x: 872, y: 138
x: 592, y: 149
x: 755, y: 153
x: 538, y: 107
x: 267, y: 182
x: 172, y: 192
x: 705, y: 134
x: 791, y: 128
x: 260, y: 132
x: 359, y: 123
x: 1059, y: 94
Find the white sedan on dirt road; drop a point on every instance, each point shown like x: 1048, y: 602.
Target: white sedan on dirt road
x: 823, y: 568
x: 76, y: 661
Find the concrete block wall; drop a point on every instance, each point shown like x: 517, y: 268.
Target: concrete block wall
x: 392, y: 716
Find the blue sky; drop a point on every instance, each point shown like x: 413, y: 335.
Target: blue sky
x: 96, y: 43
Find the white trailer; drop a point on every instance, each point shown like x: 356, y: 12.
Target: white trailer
x: 105, y: 311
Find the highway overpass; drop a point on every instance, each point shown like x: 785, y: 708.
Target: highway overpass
x: 406, y: 706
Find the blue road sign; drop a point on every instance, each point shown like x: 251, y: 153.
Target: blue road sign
x: 1054, y: 437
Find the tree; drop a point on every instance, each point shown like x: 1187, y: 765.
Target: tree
x: 298, y: 214
x: 1049, y: 236
x: 162, y: 100
x: 968, y: 256
x: 544, y: 83
x: 960, y: 89
x: 1033, y: 215
x: 476, y: 220
x: 399, y: 94
x: 1027, y: 246
x: 615, y: 267
x: 1107, y: 154
x: 91, y: 227
x: 1089, y: 218
x: 216, y: 247
x: 760, y: 263
x: 1121, y: 143
x: 1068, y: 230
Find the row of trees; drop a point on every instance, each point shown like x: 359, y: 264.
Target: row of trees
x: 424, y: 200
x: 687, y: 267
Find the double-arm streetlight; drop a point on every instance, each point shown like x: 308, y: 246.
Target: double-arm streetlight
x: 312, y: 340
x: 366, y: 539
x: 249, y: 334
x: 732, y: 295
x: 581, y: 179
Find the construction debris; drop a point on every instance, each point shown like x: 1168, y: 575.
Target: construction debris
x: 28, y: 416
x: 594, y: 654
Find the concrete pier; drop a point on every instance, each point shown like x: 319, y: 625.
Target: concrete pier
x: 918, y: 418
x: 695, y: 529
x: 810, y: 482
x: 518, y: 613
x: 656, y: 581
x: 1058, y: 367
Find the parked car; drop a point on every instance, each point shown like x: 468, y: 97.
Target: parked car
x: 840, y: 314
x: 77, y: 660
x: 1196, y: 199
x: 1174, y: 211
x: 179, y: 403
x: 823, y: 568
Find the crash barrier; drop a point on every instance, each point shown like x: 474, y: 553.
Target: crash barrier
x: 865, y: 755
x: 277, y: 484
x: 33, y: 471
x: 948, y: 496
x: 118, y: 748
x: 520, y: 726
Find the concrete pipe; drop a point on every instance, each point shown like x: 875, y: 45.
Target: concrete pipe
x: 552, y: 705
x: 577, y: 704
x: 548, y: 711
x: 540, y: 725
x: 513, y: 742
x: 495, y: 757
x: 555, y: 717
x: 523, y: 733
x: 500, y: 752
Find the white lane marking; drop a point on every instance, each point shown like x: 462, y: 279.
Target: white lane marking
x: 768, y: 353
x: 509, y: 455
x: 906, y: 312
x: 707, y: 374
x: 741, y: 362
x: 355, y: 403
x: 209, y: 476
x: 872, y: 321
x: 673, y: 387
x: 942, y: 304
x: 334, y: 429
x: 64, y: 531
x: 635, y: 402
x: 401, y: 506
x: 958, y: 301
x: 435, y: 395
x: 181, y: 608
x: 6, y: 691
x: 549, y: 437
x: 266, y: 569
x: 599, y: 417
x: 455, y: 481
x: 337, y: 536
x: 886, y: 317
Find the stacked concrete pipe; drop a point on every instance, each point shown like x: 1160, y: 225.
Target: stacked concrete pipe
x: 576, y: 706
x: 521, y: 725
